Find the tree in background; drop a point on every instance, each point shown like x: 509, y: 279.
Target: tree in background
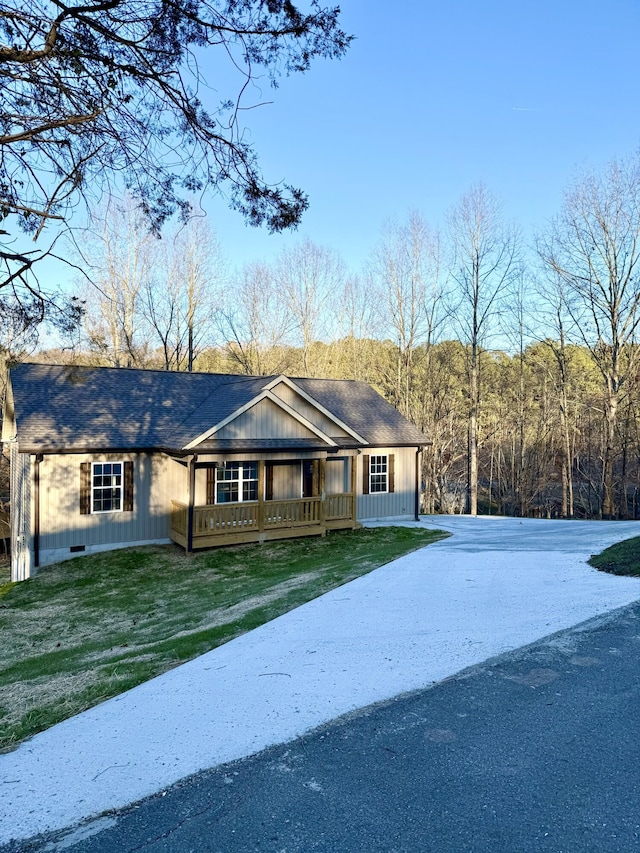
x: 485, y: 261
x: 593, y: 247
x: 311, y: 279
x: 118, y: 259
x: 255, y: 323
x: 356, y: 330
x: 182, y: 294
x: 401, y: 271
x: 557, y: 321
x: 104, y: 93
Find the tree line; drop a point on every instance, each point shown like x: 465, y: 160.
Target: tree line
x: 519, y: 363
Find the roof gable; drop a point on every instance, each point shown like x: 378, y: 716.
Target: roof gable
x: 264, y: 417
x: 287, y: 390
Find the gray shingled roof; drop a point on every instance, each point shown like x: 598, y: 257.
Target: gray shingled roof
x: 62, y: 407
x: 364, y: 410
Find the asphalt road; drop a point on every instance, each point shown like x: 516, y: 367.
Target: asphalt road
x: 537, y: 750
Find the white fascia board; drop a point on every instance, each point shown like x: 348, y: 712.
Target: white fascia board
x: 316, y: 404
x: 263, y: 395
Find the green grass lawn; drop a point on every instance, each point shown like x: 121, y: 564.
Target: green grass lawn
x: 622, y: 558
x: 88, y: 629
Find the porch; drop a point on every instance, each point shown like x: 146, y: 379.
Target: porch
x: 253, y: 510
x: 261, y: 521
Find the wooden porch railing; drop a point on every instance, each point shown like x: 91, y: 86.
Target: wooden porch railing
x: 340, y: 507
x: 224, y: 518
x: 260, y: 517
x: 293, y: 513
x: 179, y: 516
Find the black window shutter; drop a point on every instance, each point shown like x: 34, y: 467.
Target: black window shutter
x: 127, y: 503
x: 365, y: 475
x: 85, y: 488
x: 392, y: 472
x: 211, y: 486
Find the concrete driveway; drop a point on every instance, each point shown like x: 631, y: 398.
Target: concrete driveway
x: 495, y: 585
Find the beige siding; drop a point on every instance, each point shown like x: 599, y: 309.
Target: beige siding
x: 399, y: 503
x: 337, y: 476
x: 287, y: 482
x: 21, y: 517
x: 265, y: 420
x: 311, y: 413
x: 177, y: 482
x: 61, y: 524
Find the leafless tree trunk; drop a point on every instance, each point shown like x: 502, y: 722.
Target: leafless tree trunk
x: 196, y: 273
x: 256, y: 322
x: 483, y: 266
x: 593, y: 246
x: 409, y: 289
x: 311, y: 280
x: 399, y: 282
x: 116, y: 259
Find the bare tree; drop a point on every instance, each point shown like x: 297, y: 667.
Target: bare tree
x: 356, y: 328
x: 256, y: 322
x: 117, y: 260
x: 311, y: 279
x: 484, y: 265
x: 401, y: 274
x: 182, y: 294
x: 553, y: 315
x: 102, y: 92
x: 593, y: 246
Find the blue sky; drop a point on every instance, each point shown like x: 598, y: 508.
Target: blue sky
x: 434, y: 97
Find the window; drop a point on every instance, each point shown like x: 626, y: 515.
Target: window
x: 106, y: 487
x: 236, y: 481
x: 378, y: 474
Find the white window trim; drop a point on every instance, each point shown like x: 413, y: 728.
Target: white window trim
x: 240, y: 481
x: 373, y: 474
x: 120, y: 487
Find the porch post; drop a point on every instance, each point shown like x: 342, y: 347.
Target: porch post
x: 261, y: 495
x: 418, y: 483
x: 353, y: 488
x: 192, y: 492
x: 322, y: 489
x: 36, y: 509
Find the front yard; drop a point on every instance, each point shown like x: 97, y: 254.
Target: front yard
x: 92, y: 627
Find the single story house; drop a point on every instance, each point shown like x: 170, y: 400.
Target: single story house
x: 106, y: 458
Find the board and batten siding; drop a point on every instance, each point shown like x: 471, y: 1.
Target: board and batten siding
x: 63, y: 526
x: 308, y: 411
x: 337, y: 475
x: 397, y: 504
x: 21, y: 517
x: 264, y: 420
